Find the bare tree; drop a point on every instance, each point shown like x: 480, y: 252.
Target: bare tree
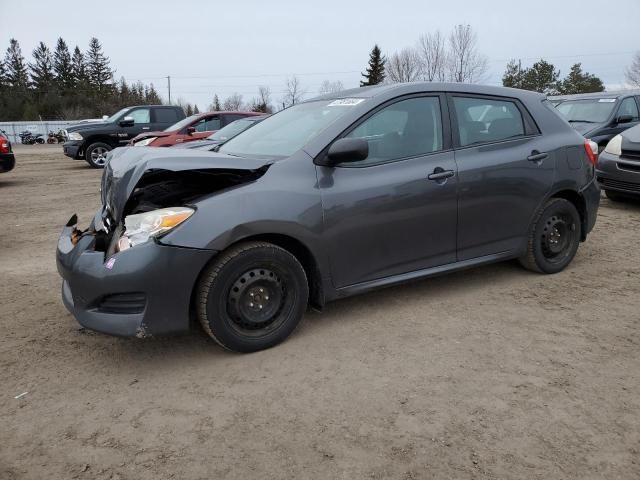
x: 404, y: 66
x: 433, y: 56
x: 293, y: 93
x: 262, y: 103
x: 465, y: 64
x: 632, y: 73
x: 330, y: 87
x: 233, y: 102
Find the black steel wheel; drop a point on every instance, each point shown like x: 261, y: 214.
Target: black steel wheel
x: 252, y: 296
x: 554, y: 237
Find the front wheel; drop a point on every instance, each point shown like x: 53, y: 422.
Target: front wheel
x: 554, y: 237
x: 96, y: 154
x: 252, y: 296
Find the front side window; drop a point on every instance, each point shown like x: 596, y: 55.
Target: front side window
x: 140, y: 115
x: 483, y: 120
x: 404, y: 129
x: 212, y: 123
x: 629, y: 107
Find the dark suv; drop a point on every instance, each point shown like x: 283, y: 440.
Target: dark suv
x: 331, y: 197
x: 91, y: 141
x: 600, y: 116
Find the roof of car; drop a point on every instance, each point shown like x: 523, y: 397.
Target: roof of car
x: 579, y: 96
x: 415, y: 87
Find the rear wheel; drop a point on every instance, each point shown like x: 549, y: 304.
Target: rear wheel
x: 252, y: 296
x: 554, y: 237
x: 96, y: 154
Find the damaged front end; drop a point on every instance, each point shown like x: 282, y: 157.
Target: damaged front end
x: 118, y: 277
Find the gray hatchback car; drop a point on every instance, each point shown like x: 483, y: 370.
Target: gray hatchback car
x: 331, y: 197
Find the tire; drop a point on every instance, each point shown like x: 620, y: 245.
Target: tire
x: 252, y: 296
x: 554, y: 237
x: 616, y: 197
x: 40, y: 141
x: 96, y: 153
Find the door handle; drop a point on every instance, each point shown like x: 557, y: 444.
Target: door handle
x: 440, y: 173
x: 537, y: 156
x: 145, y: 128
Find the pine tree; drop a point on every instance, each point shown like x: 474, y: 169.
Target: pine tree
x: 152, y: 97
x: 62, y: 66
x: 79, y: 69
x: 578, y: 81
x: 42, y: 68
x: 189, y: 110
x: 514, y: 75
x: 215, y: 106
x: 375, y: 73
x: 14, y: 63
x: 3, y: 75
x: 196, y: 110
x: 98, y: 68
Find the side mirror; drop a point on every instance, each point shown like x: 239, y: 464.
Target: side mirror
x: 346, y: 150
x: 127, y: 122
x: 624, y: 119
x: 191, y: 130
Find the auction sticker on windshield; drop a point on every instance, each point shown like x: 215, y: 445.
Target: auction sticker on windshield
x: 607, y: 100
x: 346, y: 102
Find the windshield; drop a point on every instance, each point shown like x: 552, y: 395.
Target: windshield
x: 231, y: 130
x: 593, y: 110
x: 181, y: 124
x: 117, y: 115
x: 287, y: 131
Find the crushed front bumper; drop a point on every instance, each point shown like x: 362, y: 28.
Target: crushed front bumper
x: 618, y: 174
x: 145, y: 290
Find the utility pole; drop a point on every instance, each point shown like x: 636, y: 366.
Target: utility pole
x: 169, y: 87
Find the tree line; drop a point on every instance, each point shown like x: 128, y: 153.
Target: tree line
x: 64, y: 85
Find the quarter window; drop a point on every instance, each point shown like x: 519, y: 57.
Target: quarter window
x: 483, y: 120
x: 629, y: 107
x: 140, y: 115
x: 404, y: 129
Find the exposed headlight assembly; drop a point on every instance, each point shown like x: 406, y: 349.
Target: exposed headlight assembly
x: 145, y: 142
x: 614, y: 147
x: 142, y: 226
x: 75, y: 136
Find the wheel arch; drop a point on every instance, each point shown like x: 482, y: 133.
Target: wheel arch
x: 579, y: 202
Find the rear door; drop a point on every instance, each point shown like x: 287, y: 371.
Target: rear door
x: 396, y: 211
x: 164, y: 117
x: 505, y: 170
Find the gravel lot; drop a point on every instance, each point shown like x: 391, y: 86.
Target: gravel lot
x: 490, y: 373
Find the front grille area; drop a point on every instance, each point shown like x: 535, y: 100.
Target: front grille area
x: 123, y: 303
x: 631, y: 154
x: 619, y: 185
x: 631, y: 167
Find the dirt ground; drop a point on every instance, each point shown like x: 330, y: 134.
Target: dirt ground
x: 490, y: 373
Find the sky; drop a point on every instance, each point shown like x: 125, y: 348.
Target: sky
x: 218, y: 47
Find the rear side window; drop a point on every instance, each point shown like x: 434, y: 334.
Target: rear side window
x: 166, y: 115
x: 629, y: 107
x: 404, y: 129
x: 483, y: 120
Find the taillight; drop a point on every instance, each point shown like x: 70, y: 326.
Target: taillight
x: 591, y: 148
x: 4, y: 145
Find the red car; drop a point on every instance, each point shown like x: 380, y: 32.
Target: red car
x: 195, y: 127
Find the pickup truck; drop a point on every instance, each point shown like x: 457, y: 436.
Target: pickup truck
x: 92, y: 141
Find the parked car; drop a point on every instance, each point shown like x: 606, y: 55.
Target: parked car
x: 91, y: 141
x: 618, y: 168
x: 600, y: 116
x: 195, y: 127
x: 224, y: 134
x: 7, y: 158
x: 331, y: 197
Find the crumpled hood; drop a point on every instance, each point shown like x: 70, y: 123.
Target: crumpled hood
x: 127, y: 165
x: 159, y: 133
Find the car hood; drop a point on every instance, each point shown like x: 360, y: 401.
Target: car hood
x: 584, y: 127
x: 157, y: 134
x: 631, y: 139
x: 126, y: 167
x: 83, y: 127
x: 197, y: 144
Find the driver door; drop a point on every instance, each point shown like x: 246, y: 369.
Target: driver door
x: 141, y: 123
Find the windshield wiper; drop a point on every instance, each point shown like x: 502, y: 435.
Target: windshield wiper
x: 581, y: 121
